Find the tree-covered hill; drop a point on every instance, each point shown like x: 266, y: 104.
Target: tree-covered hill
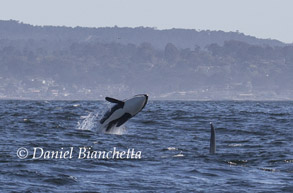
x: 66, y: 63
x: 182, y: 38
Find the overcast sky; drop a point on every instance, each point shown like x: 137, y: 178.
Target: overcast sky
x: 261, y: 18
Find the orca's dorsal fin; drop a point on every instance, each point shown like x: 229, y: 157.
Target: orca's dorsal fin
x: 212, y: 140
x: 112, y: 100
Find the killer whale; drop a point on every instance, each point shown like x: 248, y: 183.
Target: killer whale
x: 122, y: 111
x: 213, y: 140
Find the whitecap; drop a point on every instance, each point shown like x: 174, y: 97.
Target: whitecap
x: 172, y: 148
x: 235, y: 145
x: 179, y: 155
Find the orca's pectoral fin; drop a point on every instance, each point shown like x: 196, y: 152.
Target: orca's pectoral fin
x: 112, y: 100
x: 123, y: 119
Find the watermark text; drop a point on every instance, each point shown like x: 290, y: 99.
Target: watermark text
x: 38, y: 153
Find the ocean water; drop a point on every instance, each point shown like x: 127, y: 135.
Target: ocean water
x: 169, y: 141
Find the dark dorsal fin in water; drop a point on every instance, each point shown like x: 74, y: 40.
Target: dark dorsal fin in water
x: 213, y: 140
x: 112, y: 100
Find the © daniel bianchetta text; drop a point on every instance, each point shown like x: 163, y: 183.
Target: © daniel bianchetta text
x: 85, y: 153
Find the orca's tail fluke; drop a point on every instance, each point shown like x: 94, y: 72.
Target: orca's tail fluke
x: 213, y: 140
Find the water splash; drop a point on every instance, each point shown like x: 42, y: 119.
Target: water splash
x: 89, y: 122
x: 114, y: 130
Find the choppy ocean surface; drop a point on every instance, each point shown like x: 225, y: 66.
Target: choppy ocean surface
x: 254, y: 147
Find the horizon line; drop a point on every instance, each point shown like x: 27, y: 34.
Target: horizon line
x: 153, y: 27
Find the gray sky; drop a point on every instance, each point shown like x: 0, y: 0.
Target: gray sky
x: 261, y: 18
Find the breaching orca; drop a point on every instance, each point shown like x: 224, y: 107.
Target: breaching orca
x: 122, y: 111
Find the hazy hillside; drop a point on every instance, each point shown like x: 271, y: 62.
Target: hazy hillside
x: 182, y: 38
x: 90, y: 63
